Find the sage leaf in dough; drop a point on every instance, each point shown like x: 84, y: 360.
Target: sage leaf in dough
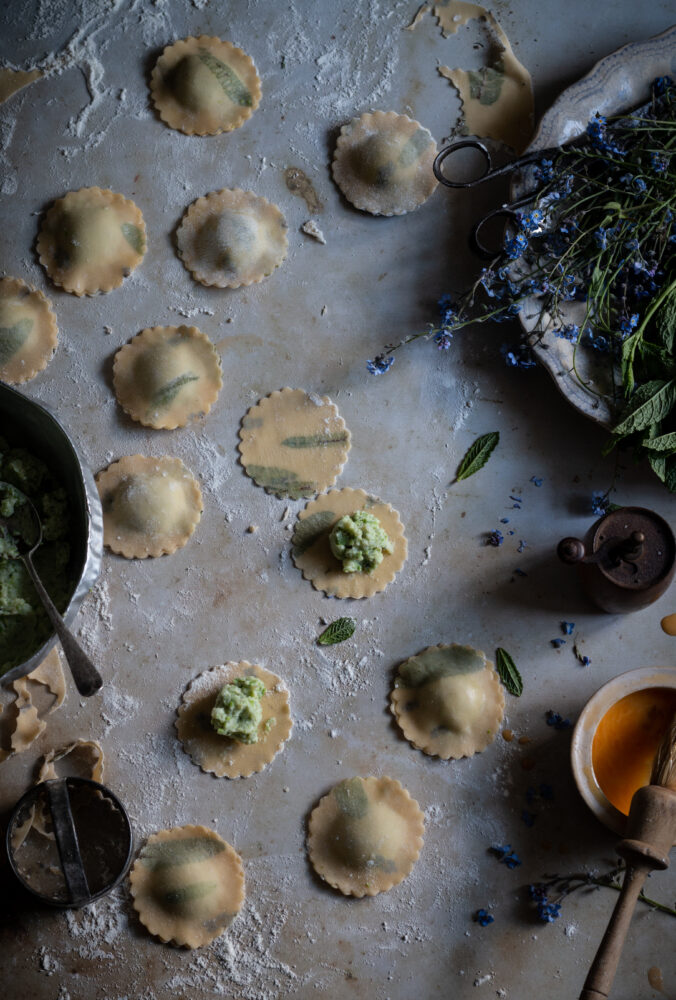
x: 12, y: 338
x: 310, y: 529
x: 133, y: 236
x: 351, y: 798
x: 229, y: 81
x: 648, y: 405
x: 188, y: 893
x: 337, y: 631
x: 168, y: 393
x: 507, y: 670
x: 281, y: 482
x: 477, y: 455
x: 414, y: 148
x: 486, y: 84
x: 314, y: 440
x: 170, y: 853
x: 434, y: 663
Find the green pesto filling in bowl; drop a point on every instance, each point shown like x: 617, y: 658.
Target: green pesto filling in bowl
x: 24, y: 625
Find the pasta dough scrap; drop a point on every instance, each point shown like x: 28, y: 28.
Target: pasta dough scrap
x: 293, y: 443
x: 151, y: 506
x: 231, y: 238
x: 448, y: 701
x: 167, y: 375
x: 365, y: 836
x: 28, y: 331
x: 227, y: 757
x: 383, y: 163
x: 12, y: 80
x: 29, y: 721
x: 497, y: 100
x: 205, y: 85
x: 91, y: 240
x: 312, y: 553
x: 187, y: 885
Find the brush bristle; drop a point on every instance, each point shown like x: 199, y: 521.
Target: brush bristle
x: 664, y: 765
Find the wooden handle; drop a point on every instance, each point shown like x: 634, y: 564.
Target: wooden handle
x: 602, y: 972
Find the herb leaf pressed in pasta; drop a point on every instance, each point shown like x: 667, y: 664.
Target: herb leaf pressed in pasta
x: 13, y: 337
x: 507, y: 670
x: 477, y: 455
x: 309, y: 529
x: 338, y: 631
x: 314, y: 440
x: 229, y: 81
x: 281, y: 482
x: 168, y: 393
x: 134, y: 236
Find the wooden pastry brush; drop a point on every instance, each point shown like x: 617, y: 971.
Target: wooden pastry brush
x: 651, y: 831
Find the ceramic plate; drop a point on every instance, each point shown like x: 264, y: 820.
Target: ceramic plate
x: 617, y: 83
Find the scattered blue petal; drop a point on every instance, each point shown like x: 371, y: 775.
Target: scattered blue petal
x: 567, y: 627
x: 520, y: 572
x: 522, y: 546
x: 506, y: 855
x: 495, y: 538
x: 536, y: 480
x: 557, y: 721
x: 504, y: 520
x: 557, y: 643
x: 483, y: 918
x: 528, y: 817
x: 381, y: 364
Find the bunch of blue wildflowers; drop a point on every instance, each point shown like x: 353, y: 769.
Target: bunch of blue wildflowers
x: 600, y: 231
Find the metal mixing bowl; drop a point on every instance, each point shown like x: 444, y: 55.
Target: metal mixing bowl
x: 33, y: 426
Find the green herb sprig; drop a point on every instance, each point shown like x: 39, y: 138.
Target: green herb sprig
x: 477, y: 455
x: 338, y: 631
x: 508, y: 672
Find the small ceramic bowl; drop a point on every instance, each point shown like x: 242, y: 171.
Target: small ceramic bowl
x: 33, y: 426
x: 585, y: 728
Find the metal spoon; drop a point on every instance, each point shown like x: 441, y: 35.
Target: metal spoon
x: 87, y: 678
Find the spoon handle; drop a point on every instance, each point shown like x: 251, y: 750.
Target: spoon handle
x: 87, y: 678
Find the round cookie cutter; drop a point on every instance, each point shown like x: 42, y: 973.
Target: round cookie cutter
x: 86, y: 853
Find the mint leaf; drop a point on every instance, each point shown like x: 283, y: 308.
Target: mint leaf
x: 337, y: 631
x: 507, y: 670
x: 648, y: 405
x: 477, y: 455
x: 664, y: 442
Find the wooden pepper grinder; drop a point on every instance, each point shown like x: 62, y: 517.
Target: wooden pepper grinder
x: 626, y: 561
x: 651, y: 831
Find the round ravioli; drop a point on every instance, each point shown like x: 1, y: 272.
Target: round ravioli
x: 312, y: 553
x: 448, y: 701
x: 220, y: 755
x: 383, y: 163
x: 167, y: 375
x: 91, y: 240
x: 365, y: 835
x: 187, y: 885
x: 28, y: 331
x: 205, y: 85
x: 293, y: 443
x: 151, y: 506
x: 231, y: 238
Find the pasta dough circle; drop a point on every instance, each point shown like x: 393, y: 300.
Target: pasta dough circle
x: 312, y: 553
x: 205, y: 85
x: 383, y: 163
x: 90, y: 240
x: 187, y: 885
x: 231, y: 238
x: 448, y: 701
x: 28, y: 331
x: 365, y: 836
x: 167, y: 375
x: 293, y: 443
x: 217, y: 754
x: 151, y: 506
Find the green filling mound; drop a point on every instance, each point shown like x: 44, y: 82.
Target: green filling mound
x: 237, y: 711
x: 359, y: 541
x: 24, y: 625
